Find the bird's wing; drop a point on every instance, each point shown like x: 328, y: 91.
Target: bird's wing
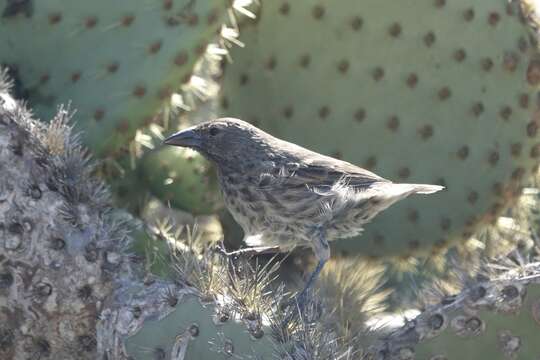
x: 319, y: 172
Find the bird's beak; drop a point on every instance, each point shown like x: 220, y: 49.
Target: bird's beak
x: 185, y: 138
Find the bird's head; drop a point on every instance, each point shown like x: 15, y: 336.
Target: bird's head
x: 223, y: 140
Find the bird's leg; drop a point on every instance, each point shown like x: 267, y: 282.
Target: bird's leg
x: 322, y: 253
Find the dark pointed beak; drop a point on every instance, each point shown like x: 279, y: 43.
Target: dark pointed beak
x: 185, y: 138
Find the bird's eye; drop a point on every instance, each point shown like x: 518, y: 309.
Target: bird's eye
x: 214, y: 131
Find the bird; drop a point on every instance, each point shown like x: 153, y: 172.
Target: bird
x: 285, y: 196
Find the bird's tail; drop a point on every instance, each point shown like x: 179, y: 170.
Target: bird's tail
x: 401, y: 190
x: 420, y: 188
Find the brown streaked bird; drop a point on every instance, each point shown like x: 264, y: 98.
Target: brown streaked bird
x: 284, y: 195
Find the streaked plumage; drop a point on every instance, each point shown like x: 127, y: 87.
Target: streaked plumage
x: 284, y: 195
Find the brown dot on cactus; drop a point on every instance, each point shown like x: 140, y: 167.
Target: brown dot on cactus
x: 413, y: 215
x: 533, y: 72
x: 284, y: 8
x: 493, y: 158
x: 515, y: 149
x: 498, y: 189
x: 395, y: 30
x: 523, y: 44
x: 99, y: 114
x: 487, y: 64
x: 271, y: 63
x: 171, y: 21
x: 288, y: 112
x: 139, y: 91
x: 356, y: 23
x: 200, y: 49
x: 154, y: 47
x: 532, y: 128
x: 44, y: 79
x: 360, y: 115
x: 445, y: 224
x: 412, y: 80
x: 167, y: 4
x: 444, y: 93
x: 404, y: 173
x: 55, y: 18
x: 439, y: 3
x: 378, y: 73
x: 343, y: 66
x: 113, y: 67
x: 505, y: 112
x: 518, y: 173
x: 463, y: 152
x: 535, y: 151
x: 468, y: 14
x: 510, y: 9
x: 181, y: 58
x: 429, y: 39
x: 524, y: 101
x: 439, y: 245
x: 123, y: 126
x: 318, y: 12
x: 425, y: 132
x: 510, y: 61
x: 127, y: 20
x: 324, y: 111
x: 244, y: 78
x: 477, y: 109
x: 90, y: 22
x: 76, y: 76
x: 378, y: 239
x: 459, y: 55
x: 413, y: 244
x: 393, y: 123
x: 305, y: 60
x: 493, y: 18
x: 212, y: 16
x: 472, y: 197
x: 371, y: 162
x: 192, y: 19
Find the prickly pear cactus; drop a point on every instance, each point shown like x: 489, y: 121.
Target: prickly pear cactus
x: 200, y: 332
x: 216, y: 308
x: 60, y: 247
x: 448, y: 100
x: 182, y: 178
x: 496, y: 318
x: 117, y: 62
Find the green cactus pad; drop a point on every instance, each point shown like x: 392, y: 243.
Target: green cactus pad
x: 198, y: 331
x: 182, y: 178
x: 440, y: 92
x: 117, y: 62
